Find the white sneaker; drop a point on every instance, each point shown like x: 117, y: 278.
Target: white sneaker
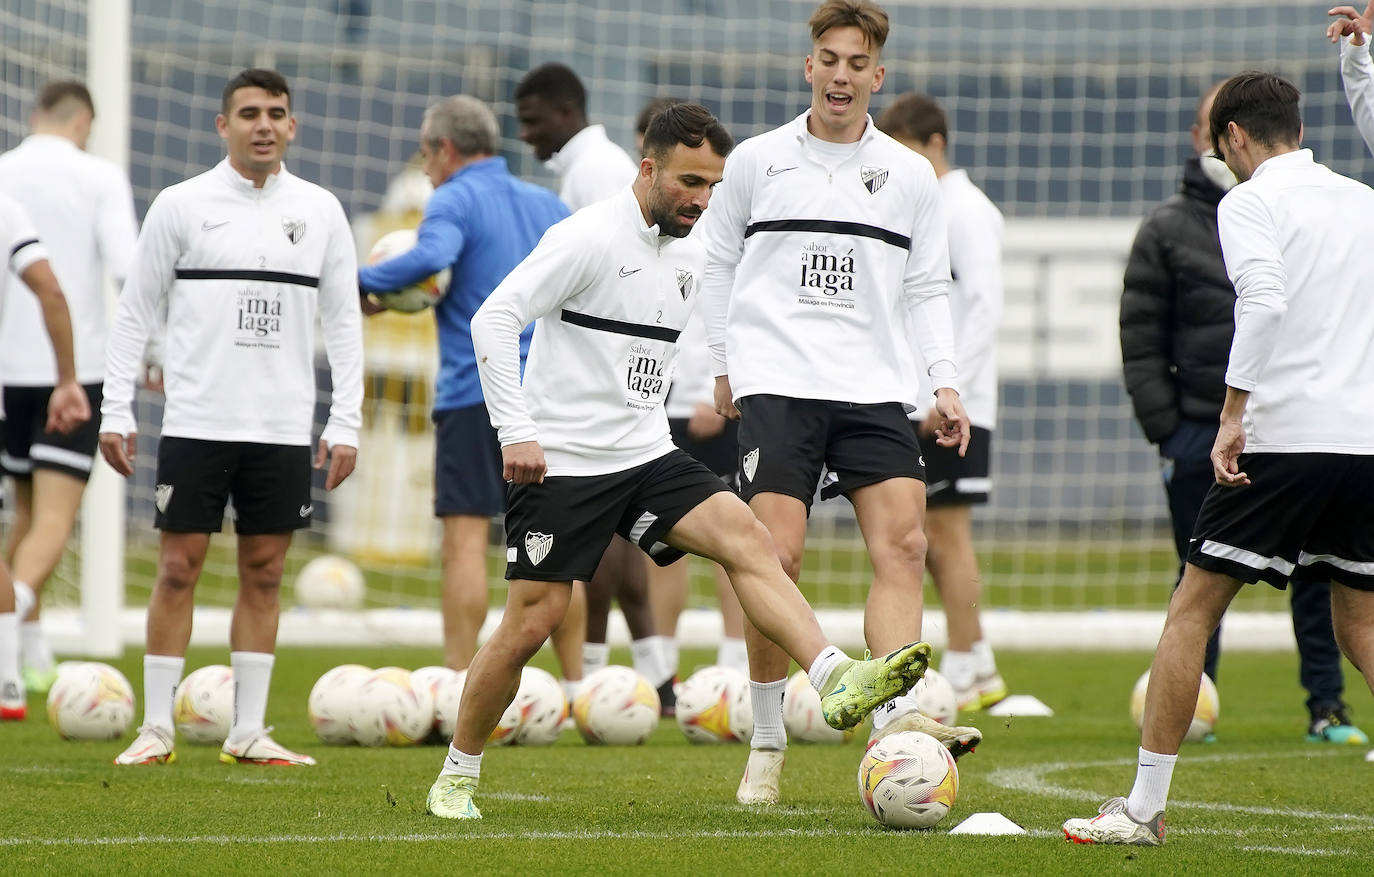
x: 153, y: 745
x: 959, y: 740
x: 1113, y: 825
x: 759, y: 785
x: 260, y: 748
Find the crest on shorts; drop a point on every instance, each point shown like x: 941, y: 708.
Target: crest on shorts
x: 537, y: 546
x: 684, y: 282
x: 162, y: 495
x: 751, y: 463
x: 294, y: 229
x: 873, y: 178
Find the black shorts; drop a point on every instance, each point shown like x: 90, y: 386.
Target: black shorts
x: 784, y: 443
x: 269, y: 484
x: 557, y: 531
x: 1304, y: 515
x: 28, y: 445
x: 720, y: 453
x: 467, y: 464
x: 952, y: 480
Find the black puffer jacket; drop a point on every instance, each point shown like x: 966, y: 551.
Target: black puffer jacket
x: 1177, y: 310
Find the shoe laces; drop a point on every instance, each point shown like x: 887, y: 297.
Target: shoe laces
x: 1113, y: 806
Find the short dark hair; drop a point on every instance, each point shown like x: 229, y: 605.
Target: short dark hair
x: 61, y: 91
x: 866, y: 15
x: 556, y: 83
x: 1264, y: 104
x: 912, y: 116
x: 688, y: 124
x: 269, y: 81
x: 651, y: 109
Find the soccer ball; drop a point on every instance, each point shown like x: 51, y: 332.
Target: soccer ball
x: 1205, y: 714
x: 332, y: 702
x: 434, y: 679
x: 616, y: 705
x: 204, y: 706
x: 412, y: 299
x: 801, y: 713
x: 391, y: 710
x: 714, y: 706
x: 935, y: 697
x: 908, y: 780
x: 542, y: 708
x: 330, y: 582
x: 447, y: 695
x: 90, y: 701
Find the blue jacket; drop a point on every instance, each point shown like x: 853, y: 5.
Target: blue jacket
x: 480, y: 223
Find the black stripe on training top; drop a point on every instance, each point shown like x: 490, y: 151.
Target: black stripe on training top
x: 637, y: 330
x: 247, y: 274
x: 832, y: 226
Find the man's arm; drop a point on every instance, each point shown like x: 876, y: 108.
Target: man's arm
x: 341, y: 324
x: 439, y: 239
x: 722, y: 229
x: 1357, y: 70
x: 68, y: 406
x: 1230, y: 441
x: 116, y: 229
x: 1249, y: 243
x: 1146, y: 321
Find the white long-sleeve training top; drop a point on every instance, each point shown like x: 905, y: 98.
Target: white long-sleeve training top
x: 1294, y: 237
x: 84, y: 211
x: 1357, y: 77
x: 591, y: 168
x: 242, y: 274
x: 823, y: 268
x: 19, y: 242
x: 609, y: 297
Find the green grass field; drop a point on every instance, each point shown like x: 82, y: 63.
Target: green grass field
x: 1258, y: 801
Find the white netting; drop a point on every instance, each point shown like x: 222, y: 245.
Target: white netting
x: 1061, y: 111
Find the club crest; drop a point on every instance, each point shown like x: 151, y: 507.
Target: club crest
x: 537, y: 546
x: 294, y: 229
x: 684, y: 282
x: 162, y: 495
x: 751, y: 464
x: 873, y: 178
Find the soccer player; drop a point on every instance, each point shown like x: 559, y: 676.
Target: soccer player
x: 955, y: 483
x: 1294, y: 454
x: 84, y: 212
x: 827, y: 240
x: 586, y: 444
x: 243, y: 259
x: 67, y: 408
x: 1176, y: 325
x: 480, y: 222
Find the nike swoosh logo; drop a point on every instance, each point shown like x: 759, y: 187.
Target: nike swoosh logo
x: 207, y: 225
x: 624, y: 273
x: 773, y: 172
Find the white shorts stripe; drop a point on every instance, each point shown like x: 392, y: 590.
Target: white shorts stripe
x: 973, y: 485
x: 14, y: 464
x: 1358, y: 567
x: 642, y: 526
x: 1246, y: 558
x: 71, y: 459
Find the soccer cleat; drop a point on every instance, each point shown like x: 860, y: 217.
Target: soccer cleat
x: 260, y: 748
x: 959, y: 740
x: 983, y: 693
x: 39, y: 681
x: 1333, y: 725
x: 451, y: 798
x: 1113, y: 825
x: 153, y: 745
x: 759, y: 785
x: 667, y: 698
x: 13, y: 706
x: 856, y: 688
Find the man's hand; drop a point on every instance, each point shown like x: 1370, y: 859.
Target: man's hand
x: 725, y: 400
x: 119, y: 450
x: 705, y: 423
x: 1225, y: 451
x: 68, y: 407
x: 1350, y: 23
x: 370, y: 306
x: 341, y: 458
x: 931, y: 421
x: 523, y: 463
x: 951, y: 426
x: 152, y: 377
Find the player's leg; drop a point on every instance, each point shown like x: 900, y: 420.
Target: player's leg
x: 13, y: 706
x: 668, y: 586
x: 732, y: 651
x: 464, y: 599
x: 1188, y: 477
x: 1352, y: 615
x: 568, y: 639
x: 55, y: 497
x: 1319, y: 663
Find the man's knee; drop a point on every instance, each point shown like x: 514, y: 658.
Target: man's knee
x: 178, y: 571
x: 903, y: 547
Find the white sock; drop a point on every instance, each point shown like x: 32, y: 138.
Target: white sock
x: 669, y: 650
x: 644, y: 657
x: 767, y: 700
x: 570, y: 688
x: 161, y: 675
x: 1153, y: 774
x: 459, y: 763
x: 594, y: 657
x: 24, y: 598
x: 33, y: 646
x: 252, y: 678
x: 732, y: 653
x: 9, y: 649
x: 960, y: 668
x: 819, y: 671
x: 982, y: 655
x: 898, y: 706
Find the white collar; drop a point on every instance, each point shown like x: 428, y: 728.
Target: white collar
x: 234, y: 178
x: 1296, y: 157
x: 583, y: 142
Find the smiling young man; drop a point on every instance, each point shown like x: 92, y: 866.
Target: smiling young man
x: 585, y: 441
x: 242, y: 260
x: 826, y: 255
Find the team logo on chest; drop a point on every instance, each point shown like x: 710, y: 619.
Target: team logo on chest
x: 293, y: 228
x: 684, y: 282
x: 873, y: 178
x: 537, y: 546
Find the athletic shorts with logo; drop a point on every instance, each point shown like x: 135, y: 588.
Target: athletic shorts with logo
x: 952, y: 480
x: 784, y: 443
x: 28, y: 445
x: 1309, y: 513
x: 467, y: 464
x: 268, y: 484
x: 719, y: 453
x: 557, y: 530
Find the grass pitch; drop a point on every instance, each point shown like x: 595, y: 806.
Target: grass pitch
x: 1259, y: 801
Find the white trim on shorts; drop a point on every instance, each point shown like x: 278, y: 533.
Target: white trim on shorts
x: 61, y: 456
x: 1250, y: 559
x: 1364, y: 568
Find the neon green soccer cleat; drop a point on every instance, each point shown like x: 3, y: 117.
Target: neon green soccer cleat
x: 451, y: 798
x: 39, y: 681
x: 856, y: 688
